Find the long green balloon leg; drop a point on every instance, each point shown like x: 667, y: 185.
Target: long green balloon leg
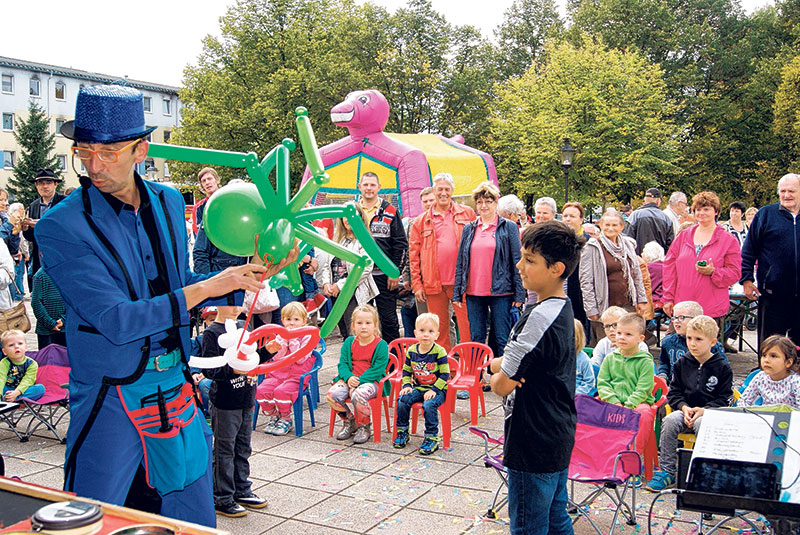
x: 345, y: 294
x: 310, y: 236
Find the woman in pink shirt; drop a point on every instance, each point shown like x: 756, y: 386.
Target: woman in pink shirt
x: 702, y: 262
x: 486, y: 270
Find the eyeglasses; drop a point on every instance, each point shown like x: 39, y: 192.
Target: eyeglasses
x: 108, y: 156
x: 487, y: 202
x: 610, y: 325
x: 681, y: 318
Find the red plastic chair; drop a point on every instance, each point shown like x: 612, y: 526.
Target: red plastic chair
x: 399, y: 347
x: 473, y: 357
x: 660, y: 390
x: 375, y: 403
x: 445, y: 420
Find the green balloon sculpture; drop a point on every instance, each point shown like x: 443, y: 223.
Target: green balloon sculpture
x: 243, y: 218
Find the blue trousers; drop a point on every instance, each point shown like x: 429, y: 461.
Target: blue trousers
x: 19, y: 273
x: 478, y: 307
x: 430, y: 408
x: 537, y: 503
x: 33, y: 392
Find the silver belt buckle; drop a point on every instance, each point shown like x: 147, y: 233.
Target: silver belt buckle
x: 157, y: 365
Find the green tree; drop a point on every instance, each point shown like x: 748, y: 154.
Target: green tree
x: 787, y: 109
x: 36, y: 145
x: 521, y: 37
x: 611, y: 105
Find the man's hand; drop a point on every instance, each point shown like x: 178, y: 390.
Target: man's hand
x: 429, y: 395
x: 331, y: 290
x: 353, y: 382
x: 750, y: 290
x: 405, y: 390
x: 391, y: 284
x: 420, y: 296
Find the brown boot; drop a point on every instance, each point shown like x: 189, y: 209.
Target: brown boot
x: 348, y: 428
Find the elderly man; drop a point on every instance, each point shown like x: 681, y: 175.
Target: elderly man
x: 676, y: 207
x: 118, y: 254
x: 773, y: 243
x: 46, y: 183
x: 648, y: 223
x: 512, y: 208
x: 433, y: 250
x: 385, y: 223
x: 544, y: 209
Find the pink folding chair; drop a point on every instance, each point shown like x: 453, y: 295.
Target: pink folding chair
x: 53, y: 406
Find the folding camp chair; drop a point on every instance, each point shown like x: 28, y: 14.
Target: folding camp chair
x: 604, y: 457
x: 53, y: 406
x: 496, y: 462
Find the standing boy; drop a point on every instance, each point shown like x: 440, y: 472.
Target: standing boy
x: 537, y: 376
x: 232, y: 398
x: 626, y: 375
x: 425, y: 376
x: 700, y: 379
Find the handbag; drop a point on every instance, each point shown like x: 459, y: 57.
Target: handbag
x: 15, y: 317
x: 267, y: 300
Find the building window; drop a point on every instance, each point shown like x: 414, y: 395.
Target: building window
x: 167, y: 106
x: 147, y: 102
x: 149, y: 137
x: 8, y: 83
x: 8, y: 121
x: 61, y: 161
x: 167, y: 135
x: 166, y: 170
x: 34, y: 86
x: 61, y: 91
x: 59, y: 124
x: 8, y: 159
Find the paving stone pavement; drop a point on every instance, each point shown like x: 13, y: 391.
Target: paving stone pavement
x: 316, y: 484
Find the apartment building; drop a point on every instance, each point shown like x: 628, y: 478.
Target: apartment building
x: 55, y: 90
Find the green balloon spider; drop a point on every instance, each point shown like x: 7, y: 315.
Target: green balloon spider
x: 242, y: 218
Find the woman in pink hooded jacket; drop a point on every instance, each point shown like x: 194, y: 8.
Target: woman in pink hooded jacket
x: 702, y: 262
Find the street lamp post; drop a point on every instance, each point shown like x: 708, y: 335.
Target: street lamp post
x: 567, y: 154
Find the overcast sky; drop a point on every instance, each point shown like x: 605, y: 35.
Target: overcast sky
x: 153, y: 40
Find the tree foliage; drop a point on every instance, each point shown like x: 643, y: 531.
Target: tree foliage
x: 36, y: 145
x: 611, y: 105
x: 521, y: 36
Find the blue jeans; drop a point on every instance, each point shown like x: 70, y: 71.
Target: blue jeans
x: 409, y: 317
x: 203, y: 388
x: 34, y: 392
x: 537, y: 503
x: 430, y: 409
x: 19, y: 272
x: 478, y: 307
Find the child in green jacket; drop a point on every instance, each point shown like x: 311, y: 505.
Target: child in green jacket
x: 18, y: 371
x: 361, y: 365
x: 626, y: 376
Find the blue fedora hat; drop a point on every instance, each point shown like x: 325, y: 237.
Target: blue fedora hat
x: 107, y: 114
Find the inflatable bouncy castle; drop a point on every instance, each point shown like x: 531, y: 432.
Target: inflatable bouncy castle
x: 404, y: 163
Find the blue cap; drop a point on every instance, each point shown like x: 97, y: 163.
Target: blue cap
x: 107, y: 114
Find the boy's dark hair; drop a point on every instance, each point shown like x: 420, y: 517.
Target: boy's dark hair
x: 632, y: 318
x: 556, y: 242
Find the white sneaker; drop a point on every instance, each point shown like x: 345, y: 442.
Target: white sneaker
x: 270, y: 427
x: 282, y: 427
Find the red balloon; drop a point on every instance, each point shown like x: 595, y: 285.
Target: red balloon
x: 266, y: 333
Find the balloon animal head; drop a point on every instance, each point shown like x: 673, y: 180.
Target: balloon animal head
x: 362, y: 112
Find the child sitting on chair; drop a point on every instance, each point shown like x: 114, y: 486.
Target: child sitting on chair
x: 361, y: 365
x: 279, y: 390
x: 584, y: 374
x: 18, y: 371
x: 425, y: 376
x: 673, y: 347
x: 701, y: 379
x: 626, y: 375
x: 608, y: 344
x: 778, y: 381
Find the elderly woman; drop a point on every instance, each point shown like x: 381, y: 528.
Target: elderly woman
x: 545, y: 209
x: 702, y: 262
x: 512, y: 208
x: 609, y: 272
x: 486, y: 269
